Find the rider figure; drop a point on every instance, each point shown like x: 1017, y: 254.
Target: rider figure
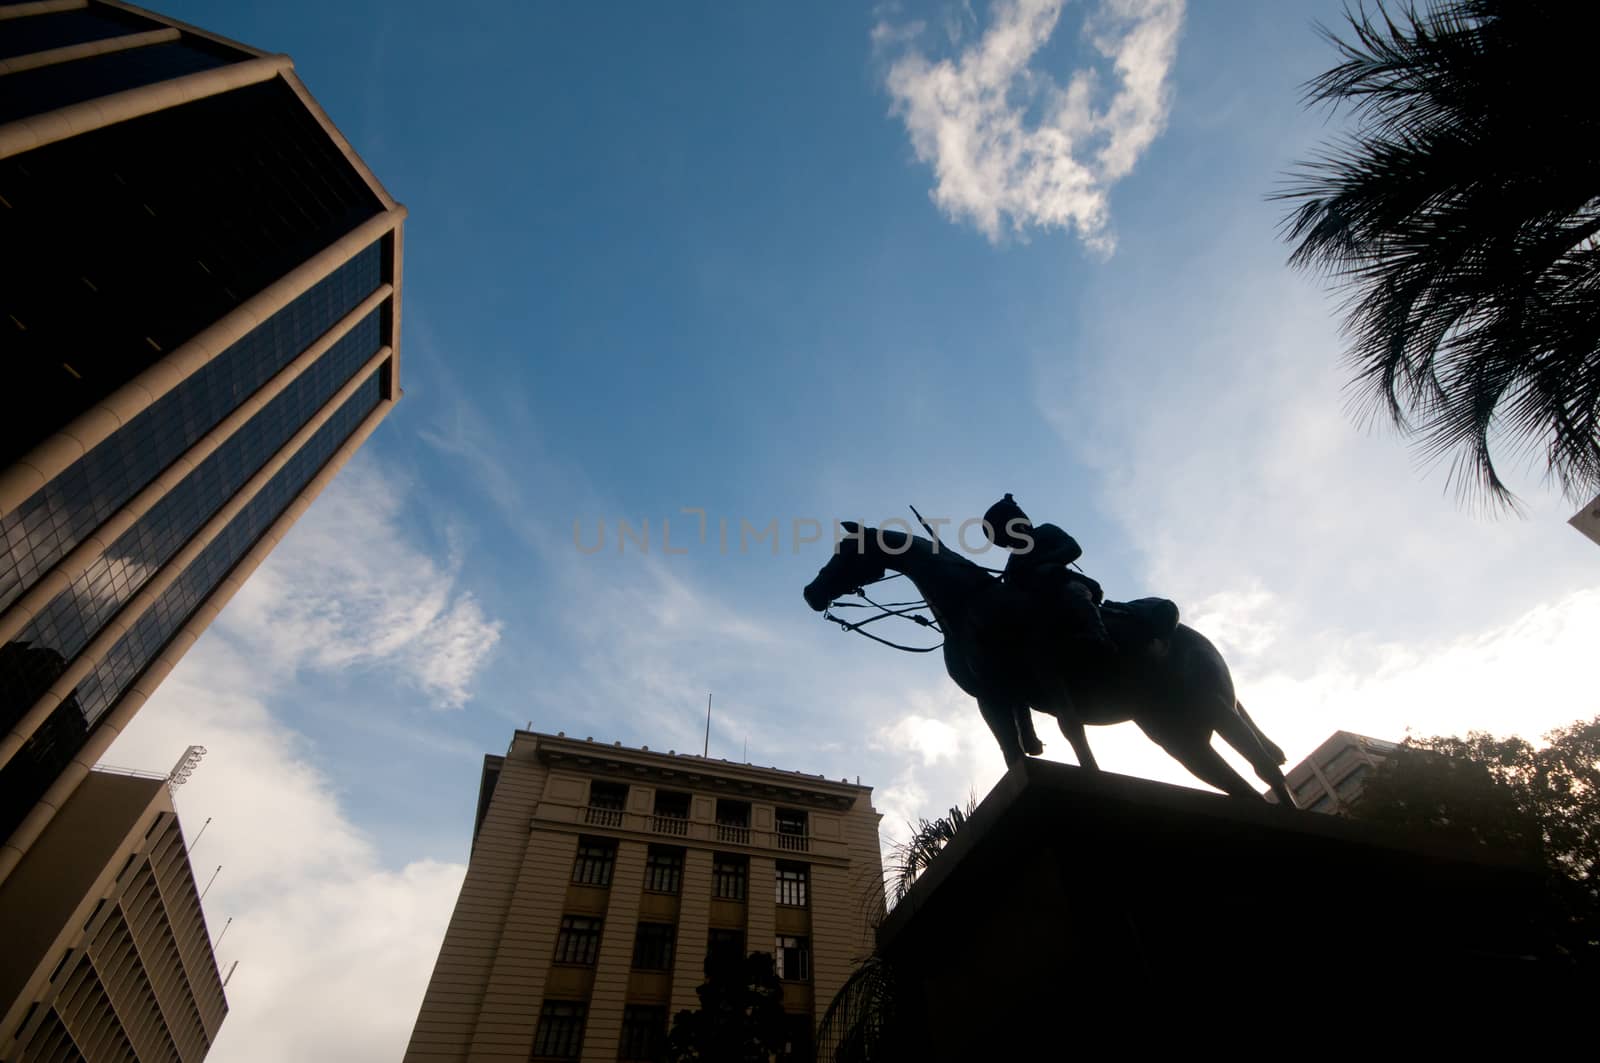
x: 1063, y: 598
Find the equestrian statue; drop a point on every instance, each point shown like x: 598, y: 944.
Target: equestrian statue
x: 1042, y: 637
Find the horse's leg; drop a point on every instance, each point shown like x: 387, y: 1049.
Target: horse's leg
x: 1193, y: 750
x: 1240, y: 732
x: 1026, y: 735
x: 1278, y: 756
x: 1002, y: 721
x: 1079, y: 742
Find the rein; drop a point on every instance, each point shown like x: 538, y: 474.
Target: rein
x: 908, y: 610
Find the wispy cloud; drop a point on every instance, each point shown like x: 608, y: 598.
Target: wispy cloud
x: 1013, y: 147
x: 347, y: 589
x: 335, y: 947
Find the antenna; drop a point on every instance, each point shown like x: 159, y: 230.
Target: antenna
x: 747, y: 750
x: 706, y: 751
x: 209, y: 881
x: 196, y: 841
x: 235, y: 967
x: 225, y: 927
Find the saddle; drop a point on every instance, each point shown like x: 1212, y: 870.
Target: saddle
x: 1132, y: 625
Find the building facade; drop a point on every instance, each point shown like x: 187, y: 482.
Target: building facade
x: 602, y: 876
x: 1331, y: 778
x: 199, y: 311
x: 1587, y: 520
x: 107, y: 953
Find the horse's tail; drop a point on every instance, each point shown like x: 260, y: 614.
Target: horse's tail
x: 1278, y: 756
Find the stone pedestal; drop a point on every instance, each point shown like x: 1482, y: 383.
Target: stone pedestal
x: 1076, y: 907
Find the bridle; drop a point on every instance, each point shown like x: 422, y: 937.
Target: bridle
x: 906, y: 610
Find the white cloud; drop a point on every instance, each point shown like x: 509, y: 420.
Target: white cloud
x: 1524, y: 677
x: 930, y: 739
x: 334, y: 949
x: 346, y: 589
x: 1346, y: 590
x: 1240, y: 623
x: 1009, y: 145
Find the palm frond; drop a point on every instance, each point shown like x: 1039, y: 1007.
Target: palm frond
x: 1461, y: 217
x: 858, y: 1025
x: 909, y: 859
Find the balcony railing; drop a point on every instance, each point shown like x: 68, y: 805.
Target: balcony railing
x: 796, y: 843
x: 677, y: 825
x: 596, y: 816
x: 736, y: 833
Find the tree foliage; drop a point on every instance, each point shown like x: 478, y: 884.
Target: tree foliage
x: 1462, y: 216
x: 909, y: 859
x: 858, y: 1026
x: 1541, y: 803
x: 740, y: 1019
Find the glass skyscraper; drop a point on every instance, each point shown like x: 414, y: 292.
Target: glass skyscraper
x: 199, y: 305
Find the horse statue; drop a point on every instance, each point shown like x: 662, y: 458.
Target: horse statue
x: 1179, y: 700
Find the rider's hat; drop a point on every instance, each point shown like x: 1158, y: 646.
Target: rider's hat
x: 998, y: 517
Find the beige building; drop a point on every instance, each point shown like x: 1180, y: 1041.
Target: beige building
x: 1332, y: 776
x: 107, y: 955
x: 1587, y: 520
x: 600, y: 877
x: 199, y: 312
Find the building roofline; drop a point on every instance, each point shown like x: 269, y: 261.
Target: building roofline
x: 488, y: 778
x: 290, y: 77
x: 688, y: 763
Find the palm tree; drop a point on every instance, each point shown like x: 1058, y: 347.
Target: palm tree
x: 858, y: 1026
x: 909, y: 859
x: 1462, y: 216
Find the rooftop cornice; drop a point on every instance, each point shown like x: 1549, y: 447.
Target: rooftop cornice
x: 690, y: 769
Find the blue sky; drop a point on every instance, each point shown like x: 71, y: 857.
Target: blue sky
x: 785, y: 262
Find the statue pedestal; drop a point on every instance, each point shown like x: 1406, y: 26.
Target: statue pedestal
x: 1075, y: 904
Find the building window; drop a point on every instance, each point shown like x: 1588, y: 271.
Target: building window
x: 733, y: 821
x: 1351, y: 784
x: 728, y: 876
x: 1339, y: 761
x: 560, y: 1034
x: 663, y: 870
x: 793, y: 956
x: 596, y: 858
x: 672, y: 813
x: 606, y: 802
x: 725, y: 943
x: 652, y: 947
x: 792, y: 881
x: 791, y: 824
x: 579, y: 940
x: 1323, y: 803
x: 644, y: 1032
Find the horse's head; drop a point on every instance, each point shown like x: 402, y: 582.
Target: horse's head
x: 853, y: 564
